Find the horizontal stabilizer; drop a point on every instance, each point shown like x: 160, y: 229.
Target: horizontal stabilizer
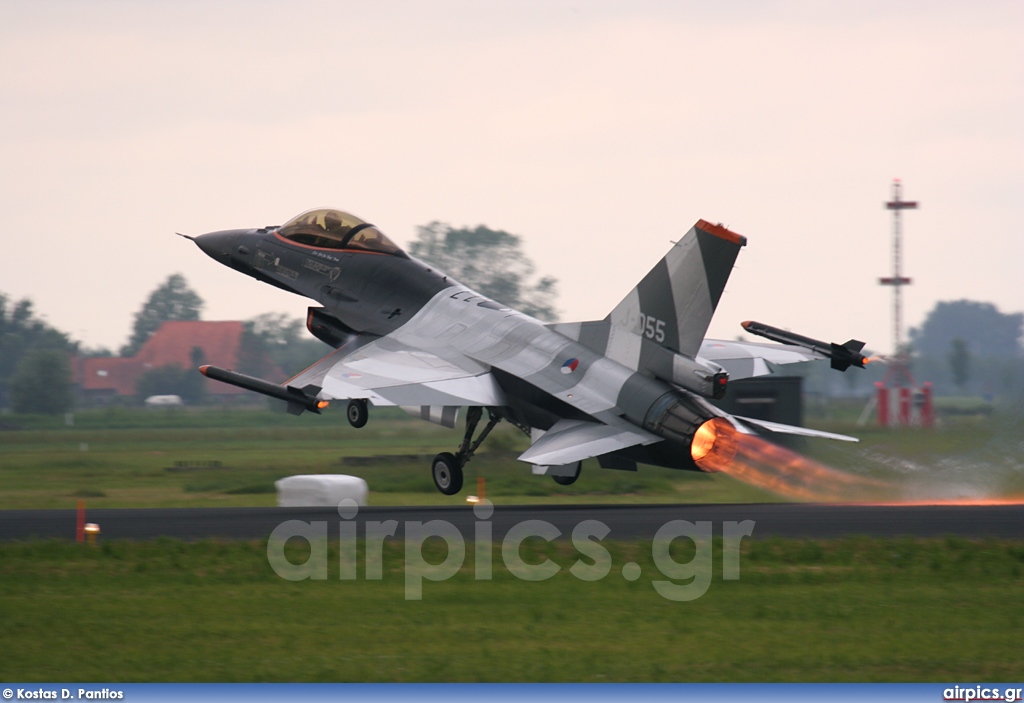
x: 792, y: 429
x: 750, y: 359
x: 569, y: 441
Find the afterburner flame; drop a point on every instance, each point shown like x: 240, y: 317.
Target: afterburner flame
x: 1009, y: 500
x: 713, y: 433
x: 718, y: 446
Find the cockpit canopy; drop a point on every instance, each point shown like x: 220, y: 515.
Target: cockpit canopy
x: 334, y: 229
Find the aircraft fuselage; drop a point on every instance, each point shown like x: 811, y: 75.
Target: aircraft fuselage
x: 542, y: 375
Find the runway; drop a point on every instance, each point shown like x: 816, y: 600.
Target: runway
x: 626, y: 522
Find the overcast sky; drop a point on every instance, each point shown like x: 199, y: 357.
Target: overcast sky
x: 599, y: 131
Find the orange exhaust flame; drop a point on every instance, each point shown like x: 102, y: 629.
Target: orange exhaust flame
x: 1008, y: 500
x: 718, y: 447
x: 714, y: 444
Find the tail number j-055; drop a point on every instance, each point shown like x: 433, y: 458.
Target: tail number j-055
x: 652, y: 328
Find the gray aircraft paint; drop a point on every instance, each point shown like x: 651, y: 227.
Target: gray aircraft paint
x: 418, y: 308
x: 681, y: 292
x: 448, y: 345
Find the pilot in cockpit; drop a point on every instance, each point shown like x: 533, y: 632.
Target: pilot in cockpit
x: 332, y: 223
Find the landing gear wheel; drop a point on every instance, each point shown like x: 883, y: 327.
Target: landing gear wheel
x: 357, y: 413
x: 447, y: 473
x: 569, y: 480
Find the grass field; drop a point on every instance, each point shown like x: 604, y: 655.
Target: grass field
x: 842, y: 610
x: 213, y: 457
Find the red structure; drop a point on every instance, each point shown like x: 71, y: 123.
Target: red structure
x: 883, y: 404
x: 176, y: 343
x: 904, y: 405
x: 900, y: 401
x: 80, y: 522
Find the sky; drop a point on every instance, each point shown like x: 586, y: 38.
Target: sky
x: 599, y: 132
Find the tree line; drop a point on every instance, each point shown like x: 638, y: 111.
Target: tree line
x: 35, y: 369
x: 35, y: 375
x: 962, y: 346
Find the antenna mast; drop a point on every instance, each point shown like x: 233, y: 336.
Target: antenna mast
x: 897, y: 281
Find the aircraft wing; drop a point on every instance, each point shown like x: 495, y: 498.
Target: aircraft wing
x: 748, y: 359
x: 569, y: 441
x: 386, y: 372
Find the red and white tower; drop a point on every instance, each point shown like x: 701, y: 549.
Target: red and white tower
x: 897, y: 280
x: 900, y: 402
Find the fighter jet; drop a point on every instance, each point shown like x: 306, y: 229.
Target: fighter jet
x: 632, y: 388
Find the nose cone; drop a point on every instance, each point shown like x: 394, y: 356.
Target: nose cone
x: 217, y: 245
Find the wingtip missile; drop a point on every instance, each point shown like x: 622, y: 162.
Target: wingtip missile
x: 843, y: 356
x: 298, y: 399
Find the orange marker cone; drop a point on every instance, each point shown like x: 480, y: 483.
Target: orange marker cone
x: 80, y: 527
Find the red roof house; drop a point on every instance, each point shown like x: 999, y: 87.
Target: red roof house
x: 173, y: 344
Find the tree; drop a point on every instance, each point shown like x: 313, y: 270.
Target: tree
x: 172, y: 300
x: 986, y: 331
x: 489, y: 261
x: 42, y: 383
x: 959, y: 362
x: 20, y: 333
x: 274, y: 342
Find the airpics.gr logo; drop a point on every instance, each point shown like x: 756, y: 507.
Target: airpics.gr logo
x: 680, y: 580
x: 570, y: 365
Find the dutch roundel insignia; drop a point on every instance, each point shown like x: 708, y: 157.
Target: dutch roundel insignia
x: 570, y: 365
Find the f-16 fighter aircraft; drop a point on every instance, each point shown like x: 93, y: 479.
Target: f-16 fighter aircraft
x: 631, y: 388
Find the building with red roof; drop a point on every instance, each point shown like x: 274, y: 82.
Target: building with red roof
x: 185, y: 344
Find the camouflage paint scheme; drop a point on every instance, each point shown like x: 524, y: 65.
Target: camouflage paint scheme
x: 627, y: 389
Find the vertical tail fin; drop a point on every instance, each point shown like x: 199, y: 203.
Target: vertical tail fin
x: 673, y: 304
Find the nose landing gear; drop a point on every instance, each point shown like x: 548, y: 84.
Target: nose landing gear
x: 447, y: 467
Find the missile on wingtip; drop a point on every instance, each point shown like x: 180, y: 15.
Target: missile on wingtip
x: 298, y: 399
x: 843, y: 356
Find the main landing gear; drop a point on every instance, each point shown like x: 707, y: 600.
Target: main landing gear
x: 447, y: 467
x: 357, y: 412
x: 569, y: 480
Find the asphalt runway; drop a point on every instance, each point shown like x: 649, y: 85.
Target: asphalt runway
x: 629, y: 522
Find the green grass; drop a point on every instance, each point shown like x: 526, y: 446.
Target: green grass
x: 235, y: 458
x: 803, y: 610
x: 838, y: 610
x: 231, y: 457
x: 960, y: 457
